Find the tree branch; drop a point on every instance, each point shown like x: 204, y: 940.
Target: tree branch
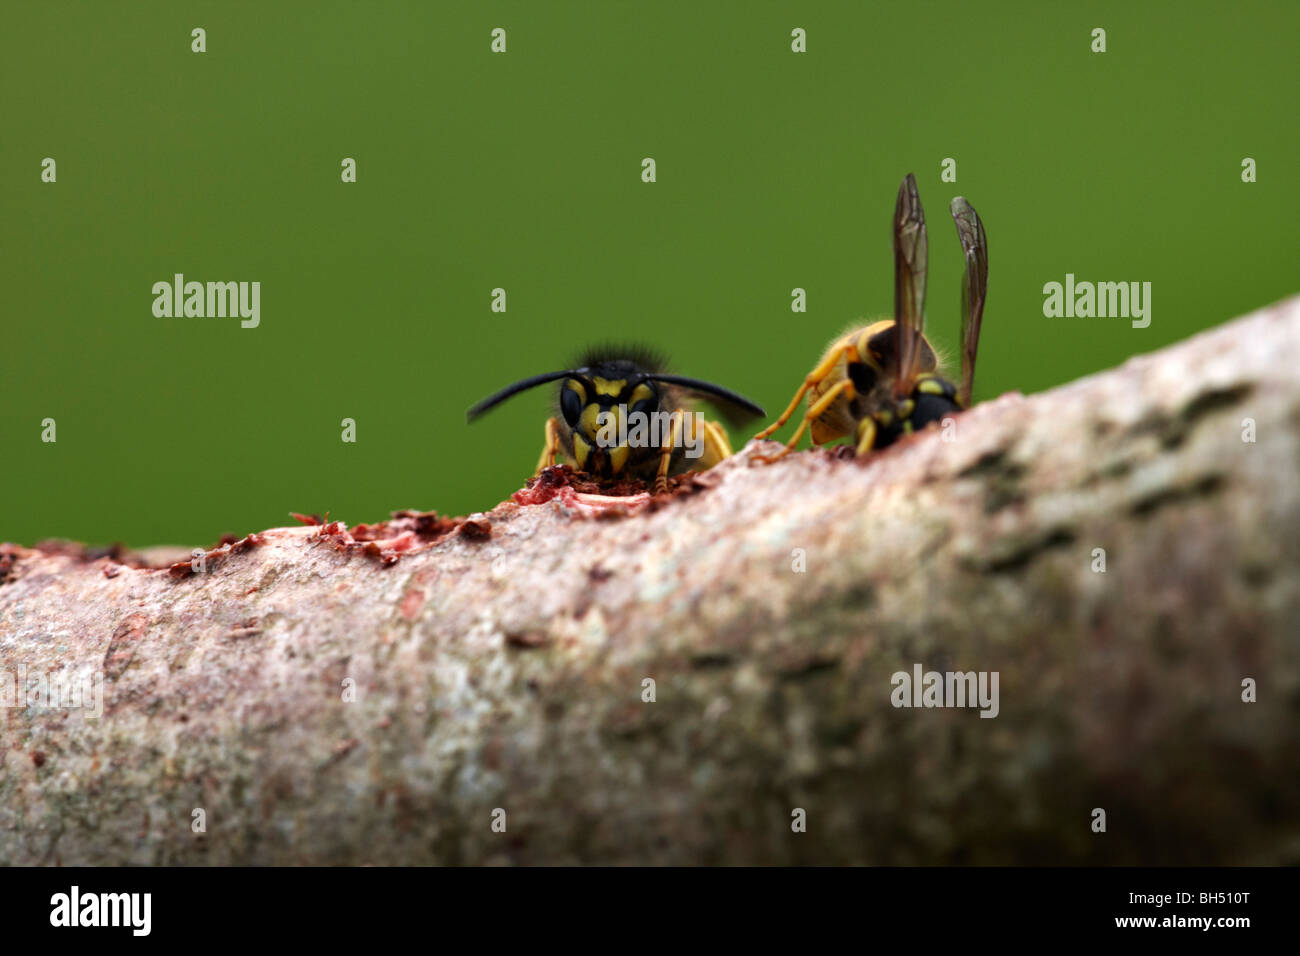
x: 499, y: 662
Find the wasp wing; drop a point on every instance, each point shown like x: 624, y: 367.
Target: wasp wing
x: 735, y: 408
x: 910, y: 264
x: 975, y: 247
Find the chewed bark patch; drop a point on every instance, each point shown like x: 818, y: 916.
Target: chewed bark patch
x: 581, y: 495
x: 407, y: 531
x: 207, y: 560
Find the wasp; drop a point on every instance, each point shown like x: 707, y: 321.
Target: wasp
x: 882, y: 381
x: 620, y: 413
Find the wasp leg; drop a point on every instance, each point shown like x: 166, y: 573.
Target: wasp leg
x: 813, y: 377
x: 716, y: 446
x: 843, y: 387
x: 550, y: 448
x: 866, y: 436
x: 713, y: 444
x: 666, y: 454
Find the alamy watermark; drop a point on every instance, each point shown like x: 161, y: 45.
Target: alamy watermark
x: 61, y: 690
x: 950, y: 689
x: 130, y: 910
x: 212, y: 300
x: 638, y: 429
x: 1085, y: 300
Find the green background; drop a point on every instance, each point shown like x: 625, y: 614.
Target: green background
x: 522, y: 170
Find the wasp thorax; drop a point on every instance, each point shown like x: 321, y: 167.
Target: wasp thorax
x: 877, y: 346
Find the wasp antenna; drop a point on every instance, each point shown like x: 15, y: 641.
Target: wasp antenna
x: 522, y: 385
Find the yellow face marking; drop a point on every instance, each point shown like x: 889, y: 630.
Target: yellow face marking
x: 581, y: 450
x: 606, y: 387
x: 640, y: 394
x: 589, y: 423
x: 618, y: 458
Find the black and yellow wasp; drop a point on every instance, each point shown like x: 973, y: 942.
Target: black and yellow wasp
x: 881, y: 381
x: 605, y: 400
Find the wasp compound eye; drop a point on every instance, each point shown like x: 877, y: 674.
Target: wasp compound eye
x: 570, y: 405
x: 647, y: 406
